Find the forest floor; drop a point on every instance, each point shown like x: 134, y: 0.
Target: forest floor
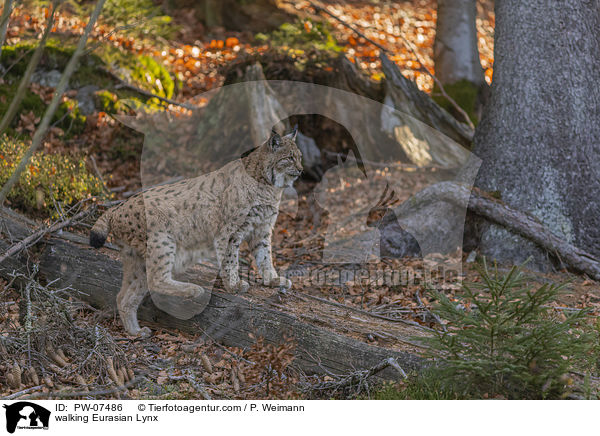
x: 174, y: 364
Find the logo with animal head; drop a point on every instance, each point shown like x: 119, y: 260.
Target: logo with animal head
x: 26, y: 415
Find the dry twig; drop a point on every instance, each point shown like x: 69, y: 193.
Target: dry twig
x: 352, y: 384
x: 23, y: 392
x: 96, y: 393
x: 40, y: 233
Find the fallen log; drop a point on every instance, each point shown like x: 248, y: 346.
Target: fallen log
x: 496, y: 211
x: 329, y: 338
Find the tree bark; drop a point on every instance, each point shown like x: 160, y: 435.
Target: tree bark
x: 539, y: 136
x: 455, y: 51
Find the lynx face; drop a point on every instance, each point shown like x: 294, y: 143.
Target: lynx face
x: 285, y: 165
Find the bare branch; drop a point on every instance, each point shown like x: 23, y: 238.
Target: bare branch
x: 60, y: 89
x: 23, y: 392
x: 354, y: 383
x: 75, y: 394
x: 4, y: 19
x: 40, y: 233
x: 15, y: 104
x: 495, y: 211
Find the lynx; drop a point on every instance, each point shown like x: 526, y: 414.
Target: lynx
x: 165, y: 229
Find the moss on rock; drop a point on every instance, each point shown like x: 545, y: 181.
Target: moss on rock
x: 148, y: 72
x: 62, y: 177
x: 144, y: 71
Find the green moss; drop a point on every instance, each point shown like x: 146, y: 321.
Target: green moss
x: 142, y: 71
x: 109, y: 102
x: 417, y: 387
x: 31, y: 101
x: 150, y: 74
x: 55, y: 56
x: 60, y: 176
x: 303, y: 35
x: 464, y: 93
x: 67, y: 116
x: 17, y: 57
x: 144, y: 19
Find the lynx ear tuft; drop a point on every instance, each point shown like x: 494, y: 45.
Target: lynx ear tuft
x: 294, y: 133
x: 275, y: 140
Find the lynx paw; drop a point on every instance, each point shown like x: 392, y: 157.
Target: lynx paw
x: 279, y: 282
x: 144, y: 333
x: 239, y: 286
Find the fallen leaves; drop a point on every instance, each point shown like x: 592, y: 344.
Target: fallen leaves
x: 27, y: 122
x: 44, y: 92
x: 398, y: 26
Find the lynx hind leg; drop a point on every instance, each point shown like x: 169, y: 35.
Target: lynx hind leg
x: 180, y: 299
x: 161, y: 263
x: 133, y: 291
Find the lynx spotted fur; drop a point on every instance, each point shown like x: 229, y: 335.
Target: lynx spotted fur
x: 165, y: 229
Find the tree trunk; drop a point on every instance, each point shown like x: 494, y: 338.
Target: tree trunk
x: 455, y: 52
x: 539, y: 137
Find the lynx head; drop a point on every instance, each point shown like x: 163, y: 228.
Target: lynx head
x: 282, y: 160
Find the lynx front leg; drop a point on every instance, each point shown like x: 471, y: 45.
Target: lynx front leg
x: 133, y: 291
x: 260, y: 245
x: 228, y: 250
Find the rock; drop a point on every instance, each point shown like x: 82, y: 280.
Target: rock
x: 47, y: 78
x: 85, y: 99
